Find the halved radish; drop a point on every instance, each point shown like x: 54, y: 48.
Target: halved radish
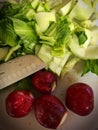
x: 19, y: 103
x: 44, y: 81
x: 80, y: 99
x: 49, y: 111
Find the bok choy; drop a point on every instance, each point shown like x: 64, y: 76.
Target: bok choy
x: 59, y: 33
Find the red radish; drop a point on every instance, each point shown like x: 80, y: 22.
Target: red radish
x: 80, y: 99
x: 44, y: 81
x: 19, y: 103
x: 49, y: 111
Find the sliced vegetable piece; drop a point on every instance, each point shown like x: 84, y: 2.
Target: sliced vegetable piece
x: 40, y: 8
x: 57, y: 63
x: 55, y: 3
x: 44, y: 81
x: 90, y: 65
x: 48, y: 39
x: 94, y: 36
x: 35, y: 3
x: 11, y: 51
x: 45, y: 54
x: 91, y: 52
x: 30, y: 15
x: 82, y: 10
x: 19, y: 103
x: 95, y: 7
x: 81, y: 37
x: 24, y: 30
x: 50, y: 111
x: 80, y: 99
x: 69, y: 65
x: 86, y: 24
x: 67, y: 8
x: 7, y: 34
x: 43, y: 19
x: 3, y: 52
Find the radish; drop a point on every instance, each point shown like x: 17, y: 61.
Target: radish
x: 19, y: 103
x: 80, y: 99
x: 49, y: 111
x: 44, y: 81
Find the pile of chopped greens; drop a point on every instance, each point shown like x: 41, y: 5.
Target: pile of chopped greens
x: 60, y: 33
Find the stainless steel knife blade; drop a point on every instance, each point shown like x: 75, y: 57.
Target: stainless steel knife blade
x: 19, y: 68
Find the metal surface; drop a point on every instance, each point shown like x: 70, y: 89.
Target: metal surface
x: 19, y: 68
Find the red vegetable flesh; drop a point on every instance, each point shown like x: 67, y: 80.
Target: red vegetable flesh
x: 80, y: 99
x: 49, y: 111
x: 19, y: 103
x: 44, y: 81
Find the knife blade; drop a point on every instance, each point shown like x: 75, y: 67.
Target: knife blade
x: 19, y: 68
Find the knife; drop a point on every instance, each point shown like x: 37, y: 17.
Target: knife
x: 19, y: 68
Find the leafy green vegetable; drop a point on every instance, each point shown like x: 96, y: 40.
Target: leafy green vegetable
x: 67, y: 7
x: 44, y: 19
x: 13, y: 49
x: 9, y: 9
x: 24, y: 84
x: 82, y: 37
x: 26, y: 12
x: 89, y: 52
x: 82, y: 10
x: 63, y: 30
x: 7, y: 34
x: 62, y: 35
x: 24, y: 30
x: 95, y: 7
x: 3, y: 52
x: 69, y: 65
x: 54, y: 3
x: 57, y: 63
x: 45, y: 54
x: 91, y: 65
x: 53, y: 30
x: 26, y: 33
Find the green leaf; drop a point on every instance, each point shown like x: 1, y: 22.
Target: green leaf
x: 11, y: 51
x: 28, y: 47
x: 9, y: 9
x: 7, y: 34
x: 81, y: 37
x: 24, y: 30
x: 24, y: 84
x: 91, y: 65
x: 86, y: 68
x: 82, y: 10
x: 63, y: 30
x: 62, y: 37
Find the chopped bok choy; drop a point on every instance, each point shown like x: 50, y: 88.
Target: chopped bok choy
x: 59, y: 33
